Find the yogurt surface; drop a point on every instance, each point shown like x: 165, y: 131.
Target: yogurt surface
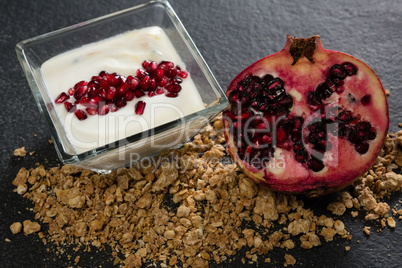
x: 122, y: 54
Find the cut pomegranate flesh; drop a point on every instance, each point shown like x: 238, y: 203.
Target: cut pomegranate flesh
x: 109, y: 92
x: 303, y: 119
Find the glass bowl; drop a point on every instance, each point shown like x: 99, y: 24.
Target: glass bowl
x: 127, y: 150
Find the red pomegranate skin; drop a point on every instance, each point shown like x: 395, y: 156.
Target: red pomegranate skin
x: 302, y: 74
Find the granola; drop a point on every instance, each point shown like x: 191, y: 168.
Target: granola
x: 180, y: 208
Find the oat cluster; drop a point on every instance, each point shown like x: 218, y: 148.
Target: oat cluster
x: 192, y: 206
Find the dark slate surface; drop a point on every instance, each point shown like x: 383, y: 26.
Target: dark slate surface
x: 230, y: 35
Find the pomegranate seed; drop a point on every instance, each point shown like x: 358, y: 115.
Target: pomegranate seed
x: 70, y: 107
x: 163, y: 82
x: 159, y: 74
x: 139, y: 93
x: 95, y: 100
x: 62, y: 98
x: 141, y: 73
x: 103, y: 109
x: 366, y: 99
x: 152, y: 85
x: 80, y: 84
x: 173, y: 87
x: 80, y: 92
x: 120, y: 102
x: 85, y: 101
x: 171, y: 72
x: 123, y: 89
x: 113, y: 79
x: 140, y: 107
x: 103, y: 74
x: 152, y: 66
x: 145, y: 63
x: 182, y: 74
x: 102, y: 92
x: 80, y: 114
x: 166, y: 64
x: 96, y: 78
x: 349, y: 68
x: 110, y: 93
x: 144, y: 83
x: 92, y: 110
x: 151, y: 94
x: 103, y: 84
x: 92, y: 92
x: 171, y: 95
x: 112, y: 107
x: 132, y: 81
x: 160, y: 91
x: 129, y: 95
x: 71, y: 91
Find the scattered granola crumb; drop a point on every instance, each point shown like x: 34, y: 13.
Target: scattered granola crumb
x: 400, y: 125
x: 50, y: 141
x: 30, y: 227
x: 289, y: 260
x: 20, y: 152
x: 391, y: 222
x: 77, y: 259
x: 179, y: 208
x: 16, y: 227
x: 366, y: 230
x: 347, y: 248
x: 387, y: 91
x: 7, y: 240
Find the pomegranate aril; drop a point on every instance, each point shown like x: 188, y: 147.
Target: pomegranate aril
x: 171, y: 72
x: 362, y: 147
x: 80, y: 114
x: 173, y: 87
x: 80, y: 84
x: 112, y: 107
x: 315, y: 164
x: 140, y: 107
x: 152, y: 66
x: 349, y: 68
x: 163, y: 82
x: 103, y: 74
x: 85, y: 101
x: 366, y: 100
x: 62, y: 98
x: 132, y: 81
x: 171, y: 95
x: 313, y: 98
x: 92, y: 110
x: 144, y: 83
x: 159, y: 74
x: 103, y: 84
x: 160, y: 91
x: 166, y: 64
x: 110, y: 93
x: 123, y: 89
x: 323, y: 91
x: 103, y: 109
x: 113, y: 79
x: 151, y: 94
x: 275, y: 84
x: 70, y: 91
x: 80, y: 92
x: 129, y: 96
x: 120, y: 102
x: 95, y: 100
x: 141, y: 73
x: 92, y: 92
x: 182, y: 74
x: 70, y: 107
x: 301, y: 156
x: 337, y: 71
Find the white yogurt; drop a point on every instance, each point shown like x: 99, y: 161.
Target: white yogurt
x: 123, y: 54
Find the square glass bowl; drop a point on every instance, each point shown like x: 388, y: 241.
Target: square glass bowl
x: 32, y: 53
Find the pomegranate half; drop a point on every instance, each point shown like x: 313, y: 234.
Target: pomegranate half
x: 306, y: 119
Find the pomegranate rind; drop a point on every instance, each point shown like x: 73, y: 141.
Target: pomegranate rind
x: 343, y: 164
